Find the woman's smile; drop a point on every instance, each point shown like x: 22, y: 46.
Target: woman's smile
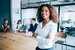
x: 45, y: 12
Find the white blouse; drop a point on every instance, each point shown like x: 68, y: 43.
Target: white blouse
x: 49, y: 28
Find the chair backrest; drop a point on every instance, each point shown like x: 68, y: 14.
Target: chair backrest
x: 61, y: 34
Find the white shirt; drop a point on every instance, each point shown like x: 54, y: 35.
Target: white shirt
x: 49, y: 28
x: 33, y: 24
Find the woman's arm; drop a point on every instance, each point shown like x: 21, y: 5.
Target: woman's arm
x: 8, y: 27
x: 42, y: 39
x: 50, y: 36
x: 3, y: 28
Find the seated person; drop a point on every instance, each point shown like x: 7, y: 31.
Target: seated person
x: 6, y: 26
x: 23, y: 27
x: 18, y: 25
x: 33, y: 25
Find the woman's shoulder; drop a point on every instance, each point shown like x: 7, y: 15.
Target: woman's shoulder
x: 40, y: 23
x: 3, y: 25
x: 53, y: 23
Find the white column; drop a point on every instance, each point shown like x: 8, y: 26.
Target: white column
x: 15, y: 12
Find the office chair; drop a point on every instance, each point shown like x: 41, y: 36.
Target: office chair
x: 59, y: 41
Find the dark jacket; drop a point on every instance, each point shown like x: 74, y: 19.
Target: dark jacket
x: 33, y: 28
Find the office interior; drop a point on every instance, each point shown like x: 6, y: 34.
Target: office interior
x: 25, y: 10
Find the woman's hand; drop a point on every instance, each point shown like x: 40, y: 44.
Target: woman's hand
x: 8, y: 26
x: 54, y: 14
x: 34, y: 35
x: 48, y: 36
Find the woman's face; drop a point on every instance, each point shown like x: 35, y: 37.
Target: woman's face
x: 6, y: 22
x: 32, y: 21
x: 45, y: 12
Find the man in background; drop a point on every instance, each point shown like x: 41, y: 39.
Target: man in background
x: 33, y: 25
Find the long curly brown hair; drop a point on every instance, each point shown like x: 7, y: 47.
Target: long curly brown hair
x: 39, y: 16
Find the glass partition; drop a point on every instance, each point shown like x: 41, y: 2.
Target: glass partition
x: 67, y: 19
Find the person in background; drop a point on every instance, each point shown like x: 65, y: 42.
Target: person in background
x: 6, y: 26
x: 47, y: 28
x: 23, y: 27
x: 33, y: 25
x: 18, y: 25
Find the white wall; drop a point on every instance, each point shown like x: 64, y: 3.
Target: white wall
x: 15, y: 12
x: 27, y: 14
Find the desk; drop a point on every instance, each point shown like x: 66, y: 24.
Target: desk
x: 16, y: 41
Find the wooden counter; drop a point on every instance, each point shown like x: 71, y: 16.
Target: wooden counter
x: 16, y: 41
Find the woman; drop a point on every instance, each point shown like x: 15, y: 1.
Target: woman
x: 46, y: 30
x: 18, y: 26
x: 6, y: 26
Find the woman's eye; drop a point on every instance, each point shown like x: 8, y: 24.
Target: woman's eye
x: 46, y: 11
x: 42, y: 10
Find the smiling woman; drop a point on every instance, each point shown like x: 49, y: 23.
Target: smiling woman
x: 46, y: 30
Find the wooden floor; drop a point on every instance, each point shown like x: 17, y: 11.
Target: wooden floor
x: 16, y: 41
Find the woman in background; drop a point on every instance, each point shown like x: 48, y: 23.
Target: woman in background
x: 6, y: 26
x: 46, y: 30
x: 19, y: 24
